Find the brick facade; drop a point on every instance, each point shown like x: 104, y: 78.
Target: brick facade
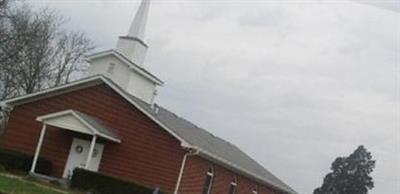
x: 195, y: 174
x: 146, y: 155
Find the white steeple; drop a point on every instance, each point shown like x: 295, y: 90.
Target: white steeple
x: 124, y: 65
x: 138, y: 25
x: 132, y: 46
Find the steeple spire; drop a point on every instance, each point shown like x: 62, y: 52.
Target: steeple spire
x: 138, y: 25
x: 121, y: 64
x: 132, y: 46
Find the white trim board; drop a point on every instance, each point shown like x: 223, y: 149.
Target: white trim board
x: 69, y: 120
x: 131, y: 65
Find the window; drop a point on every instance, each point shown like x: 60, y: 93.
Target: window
x: 111, y: 68
x: 209, y: 180
x: 232, y: 188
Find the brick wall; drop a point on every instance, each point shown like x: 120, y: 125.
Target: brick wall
x: 147, y: 154
x: 194, y: 176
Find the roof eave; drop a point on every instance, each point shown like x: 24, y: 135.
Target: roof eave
x: 44, y: 93
x: 131, y: 64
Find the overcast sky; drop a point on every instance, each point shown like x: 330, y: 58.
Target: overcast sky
x: 294, y: 84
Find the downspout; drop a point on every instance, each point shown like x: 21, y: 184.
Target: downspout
x: 190, y: 152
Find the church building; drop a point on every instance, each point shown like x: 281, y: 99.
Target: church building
x: 108, y: 122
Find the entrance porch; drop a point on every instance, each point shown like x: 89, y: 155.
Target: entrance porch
x: 83, y: 153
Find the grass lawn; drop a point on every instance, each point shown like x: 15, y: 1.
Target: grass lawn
x: 18, y: 185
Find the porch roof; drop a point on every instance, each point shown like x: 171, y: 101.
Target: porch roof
x: 76, y: 121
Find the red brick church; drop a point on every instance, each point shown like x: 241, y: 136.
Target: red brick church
x: 108, y: 122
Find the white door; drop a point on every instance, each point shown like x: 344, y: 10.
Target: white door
x: 78, y: 154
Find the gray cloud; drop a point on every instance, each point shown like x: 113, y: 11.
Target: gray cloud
x: 294, y: 84
x: 392, y: 5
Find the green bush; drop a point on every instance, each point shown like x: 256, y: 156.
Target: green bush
x: 16, y: 161
x: 103, y: 184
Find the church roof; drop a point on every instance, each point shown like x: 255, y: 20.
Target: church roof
x: 208, y: 143
x: 208, y: 146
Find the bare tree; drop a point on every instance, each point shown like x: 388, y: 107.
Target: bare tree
x: 38, y: 52
x: 3, y: 8
x: 68, y: 58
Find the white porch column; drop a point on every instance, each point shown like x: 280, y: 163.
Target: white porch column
x: 37, y: 151
x: 89, y: 157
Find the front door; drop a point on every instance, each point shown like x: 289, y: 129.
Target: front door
x: 78, y: 154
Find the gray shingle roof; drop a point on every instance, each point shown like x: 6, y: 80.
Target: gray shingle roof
x: 97, y: 124
x: 206, y: 141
